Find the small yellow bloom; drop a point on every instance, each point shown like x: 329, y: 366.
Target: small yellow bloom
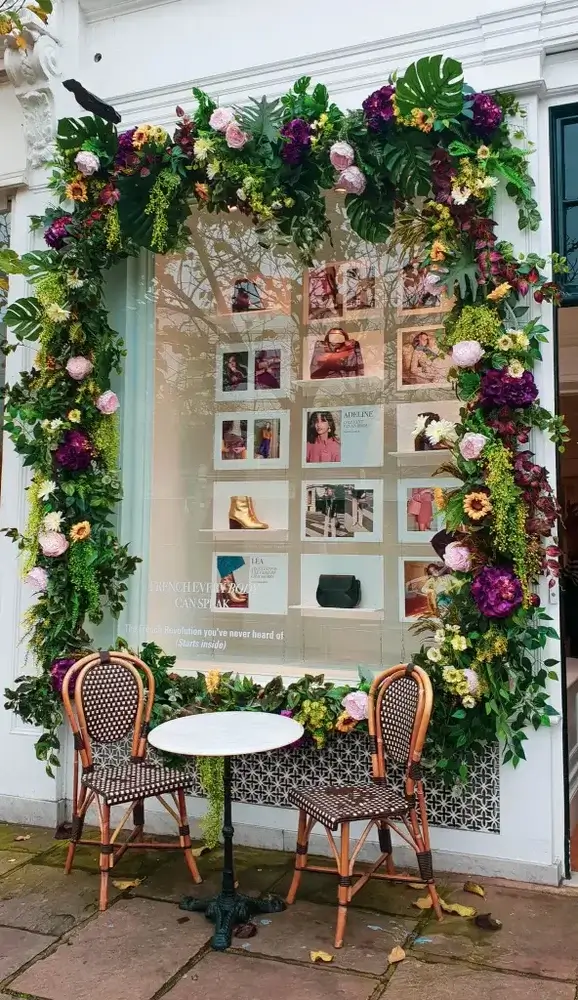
x: 516, y: 369
x: 468, y: 701
x: 476, y: 506
x: 81, y: 531
x: 213, y: 680
x: 522, y: 341
x: 438, y: 251
x: 483, y: 152
x: 345, y: 723
x: 6, y: 25
x: 439, y: 498
x: 141, y: 136
x: 500, y: 292
x: 459, y: 643
x: 77, y: 191
x: 75, y: 416
x: 505, y: 343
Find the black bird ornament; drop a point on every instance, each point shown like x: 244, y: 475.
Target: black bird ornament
x: 90, y: 102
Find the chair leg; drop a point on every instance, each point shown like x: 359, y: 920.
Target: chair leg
x: 185, y: 837
x: 105, y: 855
x: 138, y: 819
x: 76, y: 832
x: 344, y: 890
x: 385, y: 846
x: 300, y: 855
x: 424, y: 858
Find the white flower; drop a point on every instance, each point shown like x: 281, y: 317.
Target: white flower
x: 459, y: 643
x: 468, y: 701
x: 213, y: 169
x: 241, y: 194
x: 46, y: 487
x: 52, y: 521
x: 460, y: 195
x: 73, y: 281
x: 441, y: 430
x: 419, y: 426
x: 516, y: 369
x: 522, y: 341
x: 202, y: 148
x: 55, y: 425
x: 505, y: 342
x: 434, y: 654
x: 489, y: 182
x: 454, y: 628
x: 56, y: 314
x: 439, y: 636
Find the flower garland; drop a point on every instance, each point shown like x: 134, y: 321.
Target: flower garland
x: 12, y: 27
x: 424, y: 136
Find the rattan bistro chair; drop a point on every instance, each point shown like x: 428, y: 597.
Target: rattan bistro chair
x: 400, y: 705
x: 112, y: 699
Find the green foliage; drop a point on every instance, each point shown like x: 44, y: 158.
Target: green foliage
x: 372, y: 223
x: 431, y: 82
x: 23, y: 317
x: 262, y: 119
x: 406, y: 157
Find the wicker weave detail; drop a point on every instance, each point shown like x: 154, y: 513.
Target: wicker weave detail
x: 398, y: 711
x: 134, y: 781
x: 110, y: 698
x: 425, y: 865
x: 334, y: 805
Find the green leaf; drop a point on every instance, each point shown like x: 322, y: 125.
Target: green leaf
x: 261, y: 118
x: 464, y: 274
x: 23, y: 316
x: 11, y: 263
x: 407, y: 157
x: 40, y: 262
x: 460, y: 149
x: 372, y: 223
x: 431, y: 82
x: 73, y: 132
x: 513, y: 177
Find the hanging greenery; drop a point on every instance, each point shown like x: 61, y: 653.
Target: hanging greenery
x: 425, y: 136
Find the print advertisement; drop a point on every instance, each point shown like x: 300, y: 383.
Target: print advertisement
x: 347, y: 436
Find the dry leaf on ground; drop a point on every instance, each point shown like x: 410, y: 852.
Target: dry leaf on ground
x: 320, y: 956
x: 425, y: 903
x: 475, y: 889
x: 127, y: 883
x: 198, y: 852
x: 23, y: 837
x: 417, y: 885
x: 396, y: 955
x: 460, y: 911
x: 487, y: 922
x: 245, y: 930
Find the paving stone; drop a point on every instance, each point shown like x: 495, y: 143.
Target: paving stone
x: 41, y: 838
x: 133, y: 864
x: 448, y: 982
x: 537, y: 935
x: 12, y: 859
x: 305, y: 927
x: 171, y: 880
x: 18, y: 947
x: 126, y: 953
x: 248, y: 978
x: 45, y: 900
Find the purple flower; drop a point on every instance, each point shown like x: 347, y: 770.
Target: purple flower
x: 287, y: 712
x: 125, y: 154
x: 487, y: 115
x: 58, y: 672
x: 378, y: 108
x: 297, y: 134
x: 497, y: 592
x: 75, y: 451
x: 498, y: 388
x: 57, y: 231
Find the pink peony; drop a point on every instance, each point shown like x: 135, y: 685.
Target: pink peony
x: 473, y: 680
x: 108, y: 402
x: 356, y: 704
x: 472, y: 445
x: 221, y: 118
x: 79, y: 368
x: 235, y: 137
x: 88, y: 163
x: 52, y: 543
x: 351, y: 180
x: 37, y: 578
x: 341, y: 155
x: 467, y: 353
x: 457, y: 557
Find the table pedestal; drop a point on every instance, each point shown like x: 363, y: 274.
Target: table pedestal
x: 229, y: 907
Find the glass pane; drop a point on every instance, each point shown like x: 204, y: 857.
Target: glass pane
x: 570, y: 161
x: 570, y: 250
x: 292, y: 508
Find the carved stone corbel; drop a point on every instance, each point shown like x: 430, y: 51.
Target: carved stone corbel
x: 31, y: 71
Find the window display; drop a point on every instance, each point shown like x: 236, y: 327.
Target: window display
x: 293, y: 497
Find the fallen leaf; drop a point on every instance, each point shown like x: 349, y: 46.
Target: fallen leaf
x: 198, y: 852
x: 245, y: 930
x: 396, y: 955
x: 475, y: 889
x: 417, y: 885
x: 460, y: 911
x: 183, y: 920
x: 128, y: 883
x: 23, y: 837
x: 487, y: 922
x: 320, y: 956
x: 425, y: 903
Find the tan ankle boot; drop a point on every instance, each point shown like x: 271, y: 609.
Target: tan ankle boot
x: 242, y: 514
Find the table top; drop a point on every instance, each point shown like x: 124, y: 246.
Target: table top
x: 225, y: 734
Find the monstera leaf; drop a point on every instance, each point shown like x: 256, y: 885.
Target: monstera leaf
x: 431, y: 82
x: 74, y: 132
x: 406, y: 157
x: 134, y: 196
x: 464, y: 274
x: 371, y: 221
x: 23, y: 317
x: 261, y: 118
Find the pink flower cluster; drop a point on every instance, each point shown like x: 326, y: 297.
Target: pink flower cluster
x: 223, y: 120
x: 108, y: 402
x: 78, y: 368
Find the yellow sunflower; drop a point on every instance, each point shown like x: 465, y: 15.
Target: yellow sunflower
x: 438, y: 250
x: 80, y: 531
x: 477, y: 505
x: 76, y: 191
x: 345, y: 723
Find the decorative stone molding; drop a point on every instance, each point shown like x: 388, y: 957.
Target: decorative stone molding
x: 31, y: 71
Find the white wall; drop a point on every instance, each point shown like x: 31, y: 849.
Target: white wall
x: 12, y: 149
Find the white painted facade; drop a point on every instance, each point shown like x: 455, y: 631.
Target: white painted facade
x: 151, y: 54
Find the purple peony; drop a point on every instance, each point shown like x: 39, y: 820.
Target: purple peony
x: 55, y: 235
x: 125, y: 154
x: 297, y: 134
x: 58, y: 671
x: 498, y: 388
x: 497, y: 592
x: 487, y: 115
x: 378, y: 108
x: 74, y: 452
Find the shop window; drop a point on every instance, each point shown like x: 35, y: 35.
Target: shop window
x: 564, y: 131
x: 289, y: 503
x: 4, y: 242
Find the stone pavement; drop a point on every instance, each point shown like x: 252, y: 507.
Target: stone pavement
x: 54, y: 945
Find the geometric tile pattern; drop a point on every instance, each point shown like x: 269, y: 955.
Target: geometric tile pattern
x: 265, y: 779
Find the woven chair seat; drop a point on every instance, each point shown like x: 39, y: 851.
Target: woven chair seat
x: 333, y: 805
x: 129, y: 781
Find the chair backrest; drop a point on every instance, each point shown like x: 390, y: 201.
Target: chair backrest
x: 113, y: 695
x: 400, y: 706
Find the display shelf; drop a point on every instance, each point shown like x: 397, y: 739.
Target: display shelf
x: 244, y: 534
x: 420, y: 457
x: 366, y: 614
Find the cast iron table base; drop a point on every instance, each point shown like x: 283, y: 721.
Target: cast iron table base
x: 229, y: 908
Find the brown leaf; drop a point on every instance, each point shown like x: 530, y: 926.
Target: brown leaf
x: 126, y: 883
x: 417, y: 885
x: 487, y: 922
x: 320, y: 956
x: 198, y: 852
x: 245, y: 930
x: 23, y: 837
x: 460, y: 911
x: 475, y: 889
x: 425, y: 903
x: 396, y: 955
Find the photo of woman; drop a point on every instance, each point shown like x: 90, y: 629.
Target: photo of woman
x: 323, y: 444
x: 359, y: 288
x: 426, y: 588
x: 420, y: 509
x: 246, y: 296
x: 266, y: 439
x: 336, y: 356
x: 420, y: 362
x: 322, y: 297
x: 234, y: 440
x: 231, y: 593
x: 268, y: 369
x: 421, y: 291
x: 235, y: 367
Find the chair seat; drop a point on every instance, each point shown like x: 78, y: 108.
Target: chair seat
x: 129, y: 781
x: 333, y: 805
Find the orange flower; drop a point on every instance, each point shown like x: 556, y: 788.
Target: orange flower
x: 438, y: 250
x: 202, y: 191
x: 439, y: 497
x: 76, y: 190
x: 345, y: 723
x: 477, y: 505
x: 80, y: 532
x: 499, y: 293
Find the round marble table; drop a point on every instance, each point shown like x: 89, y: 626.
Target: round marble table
x: 227, y: 734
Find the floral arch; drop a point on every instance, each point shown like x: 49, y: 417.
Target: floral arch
x: 419, y: 164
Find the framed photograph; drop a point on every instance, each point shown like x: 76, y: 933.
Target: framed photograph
x: 322, y: 296
x: 367, y: 569
x: 340, y: 510
x: 238, y: 505
x: 360, y: 289
x: 341, y: 289
x: 420, y: 363
x: 252, y: 440
x: 420, y: 292
x: 254, y: 583
x: 349, y: 436
x: 255, y: 294
x: 417, y: 517
x: 407, y: 416
x: 260, y: 370
x: 424, y: 586
x: 337, y: 354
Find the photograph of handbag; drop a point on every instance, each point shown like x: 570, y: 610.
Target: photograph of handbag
x: 334, y: 591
